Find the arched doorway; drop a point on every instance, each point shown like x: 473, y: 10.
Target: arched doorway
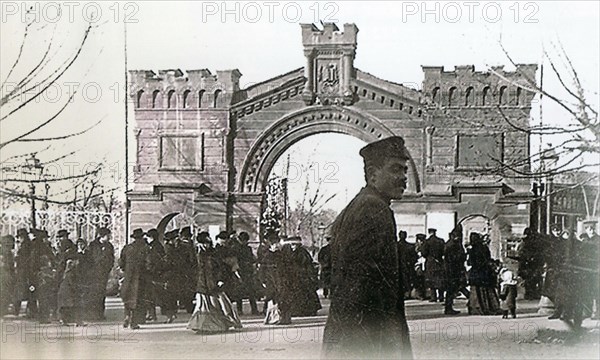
x: 310, y: 121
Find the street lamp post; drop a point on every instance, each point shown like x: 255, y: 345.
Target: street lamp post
x: 36, y: 168
x: 549, y: 158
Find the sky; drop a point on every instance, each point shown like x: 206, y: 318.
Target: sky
x: 263, y: 40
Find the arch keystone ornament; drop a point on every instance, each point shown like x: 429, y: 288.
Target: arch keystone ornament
x: 311, y: 121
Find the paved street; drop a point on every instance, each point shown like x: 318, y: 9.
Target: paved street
x: 433, y: 335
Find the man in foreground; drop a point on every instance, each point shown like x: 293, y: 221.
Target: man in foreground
x: 366, y: 318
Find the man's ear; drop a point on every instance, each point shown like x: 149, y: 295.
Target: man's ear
x: 372, y: 174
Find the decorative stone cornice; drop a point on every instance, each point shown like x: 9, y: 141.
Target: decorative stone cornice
x: 158, y: 192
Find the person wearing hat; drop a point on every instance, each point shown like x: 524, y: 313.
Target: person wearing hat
x: 133, y: 263
x: 39, y: 254
x: 186, y: 266
x: 213, y: 311
x: 531, y: 263
x: 64, y: 246
x: 555, y: 255
x: 366, y: 317
x: 7, y: 273
x: 407, y: 257
x: 419, y: 282
x: 483, y: 298
x: 22, y: 249
x: 324, y: 258
x: 170, y: 279
x: 301, y: 283
x: 454, y: 269
x: 433, y: 251
x: 247, y: 263
x: 587, y: 251
x: 102, y: 257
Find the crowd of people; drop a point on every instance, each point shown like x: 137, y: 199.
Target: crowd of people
x: 560, y: 266
x: 436, y: 270
x: 185, y: 272
x: 564, y: 268
x: 65, y: 281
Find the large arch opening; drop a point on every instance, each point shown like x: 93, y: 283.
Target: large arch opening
x: 275, y: 140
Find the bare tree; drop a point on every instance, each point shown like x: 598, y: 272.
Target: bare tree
x: 29, y: 122
x: 569, y: 145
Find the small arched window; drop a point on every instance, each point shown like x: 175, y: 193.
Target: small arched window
x: 216, y: 98
x: 452, y: 96
x: 435, y: 95
x: 518, y: 99
x: 486, y: 96
x: 171, y: 99
x: 155, y: 98
x: 502, y: 96
x: 469, y: 97
x: 186, y: 96
x: 200, y: 98
x: 139, y: 98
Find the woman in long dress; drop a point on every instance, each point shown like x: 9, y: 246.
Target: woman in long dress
x: 301, y: 279
x: 483, y: 299
x: 214, y: 311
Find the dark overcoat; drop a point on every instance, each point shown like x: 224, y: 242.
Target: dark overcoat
x: 133, y: 263
x: 300, y: 278
x: 433, y: 251
x: 325, y: 262
x: 246, y: 261
x: 556, y: 254
x: 156, y: 265
x: 102, y: 256
x: 74, y: 282
x: 210, y: 271
x: 481, y: 272
x: 366, y: 317
x: 454, y: 264
x: 268, y: 274
x: 407, y: 257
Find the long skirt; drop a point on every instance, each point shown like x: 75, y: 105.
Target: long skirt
x: 275, y: 315
x: 213, y: 313
x: 483, y: 301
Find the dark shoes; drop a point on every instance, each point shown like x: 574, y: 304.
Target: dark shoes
x: 451, y: 312
x: 170, y: 319
x: 126, y: 322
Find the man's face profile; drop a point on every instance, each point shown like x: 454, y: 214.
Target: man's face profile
x: 390, y: 179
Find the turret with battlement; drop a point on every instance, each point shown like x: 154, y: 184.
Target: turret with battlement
x: 464, y: 86
x: 329, y: 63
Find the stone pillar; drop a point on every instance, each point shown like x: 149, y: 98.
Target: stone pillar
x: 308, y: 94
x: 346, y: 90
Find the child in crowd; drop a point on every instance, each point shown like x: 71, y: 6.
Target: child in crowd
x: 508, y: 293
